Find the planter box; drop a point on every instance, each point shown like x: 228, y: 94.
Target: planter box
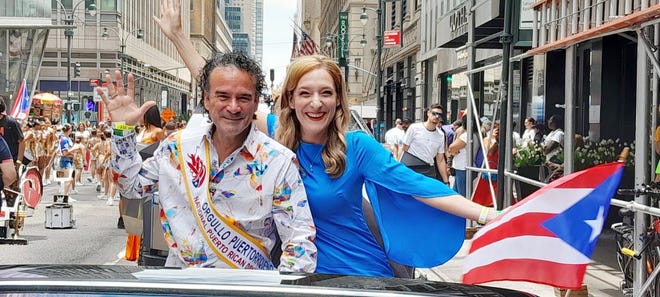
x: 531, y: 172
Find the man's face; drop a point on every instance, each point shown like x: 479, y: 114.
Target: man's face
x: 435, y: 115
x: 231, y: 100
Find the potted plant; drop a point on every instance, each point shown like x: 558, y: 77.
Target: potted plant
x: 528, y: 160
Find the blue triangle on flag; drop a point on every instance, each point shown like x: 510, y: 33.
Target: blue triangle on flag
x: 583, y: 221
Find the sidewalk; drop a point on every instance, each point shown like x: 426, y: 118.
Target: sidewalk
x: 601, y: 279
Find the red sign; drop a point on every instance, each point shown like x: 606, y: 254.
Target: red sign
x: 94, y: 82
x: 392, y: 38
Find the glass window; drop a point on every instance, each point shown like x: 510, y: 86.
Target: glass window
x: 68, y: 4
x: 108, y: 5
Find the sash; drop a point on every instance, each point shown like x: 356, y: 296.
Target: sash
x: 230, y: 244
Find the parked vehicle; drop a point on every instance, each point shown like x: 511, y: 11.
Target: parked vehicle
x: 102, y: 280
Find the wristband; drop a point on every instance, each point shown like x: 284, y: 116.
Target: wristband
x: 121, y: 129
x: 19, y: 162
x: 483, y: 215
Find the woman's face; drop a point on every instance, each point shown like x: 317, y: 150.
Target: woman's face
x: 315, y: 102
x: 528, y: 124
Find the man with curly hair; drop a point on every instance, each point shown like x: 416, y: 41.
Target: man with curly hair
x: 224, y: 187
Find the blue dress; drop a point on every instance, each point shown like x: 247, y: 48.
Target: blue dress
x: 345, y: 244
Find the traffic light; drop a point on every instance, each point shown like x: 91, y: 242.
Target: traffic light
x: 76, y: 70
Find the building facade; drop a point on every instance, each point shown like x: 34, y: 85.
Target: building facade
x: 24, y: 29
x: 243, y: 18
x: 120, y: 35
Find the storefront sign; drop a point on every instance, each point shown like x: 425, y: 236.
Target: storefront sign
x: 462, y: 57
x: 458, y: 22
x: 392, y: 38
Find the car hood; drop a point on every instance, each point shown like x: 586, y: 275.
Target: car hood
x: 93, y: 280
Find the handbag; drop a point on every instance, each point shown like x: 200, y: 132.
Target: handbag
x: 418, y: 165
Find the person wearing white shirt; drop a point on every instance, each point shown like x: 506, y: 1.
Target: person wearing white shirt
x: 554, y: 142
x: 528, y: 135
x: 426, y: 142
x: 394, y: 138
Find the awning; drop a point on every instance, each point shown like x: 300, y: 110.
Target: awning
x: 629, y: 22
x: 47, y: 98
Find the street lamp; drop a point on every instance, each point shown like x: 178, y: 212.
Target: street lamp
x: 329, y: 38
x: 68, y: 34
x: 122, y: 39
x: 364, y: 18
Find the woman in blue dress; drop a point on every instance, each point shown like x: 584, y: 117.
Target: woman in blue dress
x: 313, y: 118
x: 421, y: 220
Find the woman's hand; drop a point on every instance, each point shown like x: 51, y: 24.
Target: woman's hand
x: 121, y: 104
x: 170, y: 18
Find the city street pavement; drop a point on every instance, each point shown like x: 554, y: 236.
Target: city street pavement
x: 602, y: 277
x: 87, y: 194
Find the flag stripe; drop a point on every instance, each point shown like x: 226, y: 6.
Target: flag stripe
x: 589, y: 178
x: 526, y: 224
x: 545, y: 199
x: 526, y: 247
x: 536, y: 271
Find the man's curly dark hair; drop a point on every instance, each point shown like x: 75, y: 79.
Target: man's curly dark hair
x: 238, y: 59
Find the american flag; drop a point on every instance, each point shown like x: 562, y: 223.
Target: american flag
x: 548, y: 237
x: 307, y: 45
x: 295, y: 51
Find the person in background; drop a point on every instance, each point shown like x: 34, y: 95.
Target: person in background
x: 7, y: 169
x: 10, y: 130
x: 482, y: 192
x: 554, y: 141
x: 79, y: 151
x: 152, y: 130
x: 424, y: 146
x: 150, y: 133
x: 66, y: 157
x: 405, y: 124
x: 103, y: 151
x: 91, y: 142
x: 538, y: 133
x: 530, y: 133
x: 219, y: 172
x: 170, y: 128
x: 394, y: 138
x: 459, y: 161
x: 517, y: 141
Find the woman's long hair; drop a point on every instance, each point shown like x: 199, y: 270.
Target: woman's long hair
x: 289, y: 130
x: 152, y: 118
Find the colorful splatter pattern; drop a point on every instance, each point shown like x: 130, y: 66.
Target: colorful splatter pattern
x: 258, y: 187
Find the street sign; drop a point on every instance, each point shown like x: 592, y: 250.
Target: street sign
x: 342, y: 38
x: 97, y: 97
x: 392, y: 38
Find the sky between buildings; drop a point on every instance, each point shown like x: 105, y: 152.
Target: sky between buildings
x: 278, y: 37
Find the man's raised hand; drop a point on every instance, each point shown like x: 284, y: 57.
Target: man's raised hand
x: 121, y: 104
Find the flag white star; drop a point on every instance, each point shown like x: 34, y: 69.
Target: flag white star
x: 596, y: 224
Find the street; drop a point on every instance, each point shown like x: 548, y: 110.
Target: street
x: 95, y: 238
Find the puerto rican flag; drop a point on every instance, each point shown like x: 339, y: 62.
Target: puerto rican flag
x: 549, y: 236
x: 21, y: 106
